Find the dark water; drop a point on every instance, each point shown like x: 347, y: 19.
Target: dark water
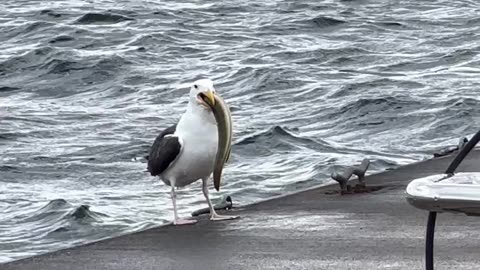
x: 85, y: 86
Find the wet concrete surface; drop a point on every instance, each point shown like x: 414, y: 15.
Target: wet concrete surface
x: 313, y: 229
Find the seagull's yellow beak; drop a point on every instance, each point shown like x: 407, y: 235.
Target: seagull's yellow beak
x: 208, y: 97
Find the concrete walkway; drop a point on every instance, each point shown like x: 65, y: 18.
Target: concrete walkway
x: 307, y: 230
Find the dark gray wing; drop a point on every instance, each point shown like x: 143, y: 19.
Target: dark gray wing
x: 164, y: 151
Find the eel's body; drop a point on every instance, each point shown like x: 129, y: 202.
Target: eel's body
x: 224, y: 126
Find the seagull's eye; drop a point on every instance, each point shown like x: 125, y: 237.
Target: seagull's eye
x: 196, y: 86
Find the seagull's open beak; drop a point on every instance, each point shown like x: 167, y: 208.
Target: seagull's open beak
x: 208, y: 97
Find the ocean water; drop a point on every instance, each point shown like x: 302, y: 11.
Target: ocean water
x: 86, y: 86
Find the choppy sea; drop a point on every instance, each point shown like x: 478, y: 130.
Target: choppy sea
x: 87, y: 85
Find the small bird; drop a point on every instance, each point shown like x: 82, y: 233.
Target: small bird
x: 185, y: 152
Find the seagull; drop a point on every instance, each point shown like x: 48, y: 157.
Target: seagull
x: 185, y: 152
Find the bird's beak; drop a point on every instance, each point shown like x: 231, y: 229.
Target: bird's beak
x: 208, y: 97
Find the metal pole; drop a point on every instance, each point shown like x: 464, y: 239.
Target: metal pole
x: 432, y: 216
x: 463, y: 153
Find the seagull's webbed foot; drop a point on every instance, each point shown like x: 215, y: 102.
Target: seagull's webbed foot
x: 217, y: 217
x: 213, y: 215
x: 180, y: 221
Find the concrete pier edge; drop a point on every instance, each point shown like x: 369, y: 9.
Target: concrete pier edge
x: 314, y: 228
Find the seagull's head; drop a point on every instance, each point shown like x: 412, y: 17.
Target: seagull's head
x: 202, y: 93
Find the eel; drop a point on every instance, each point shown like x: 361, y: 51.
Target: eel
x: 223, y: 117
